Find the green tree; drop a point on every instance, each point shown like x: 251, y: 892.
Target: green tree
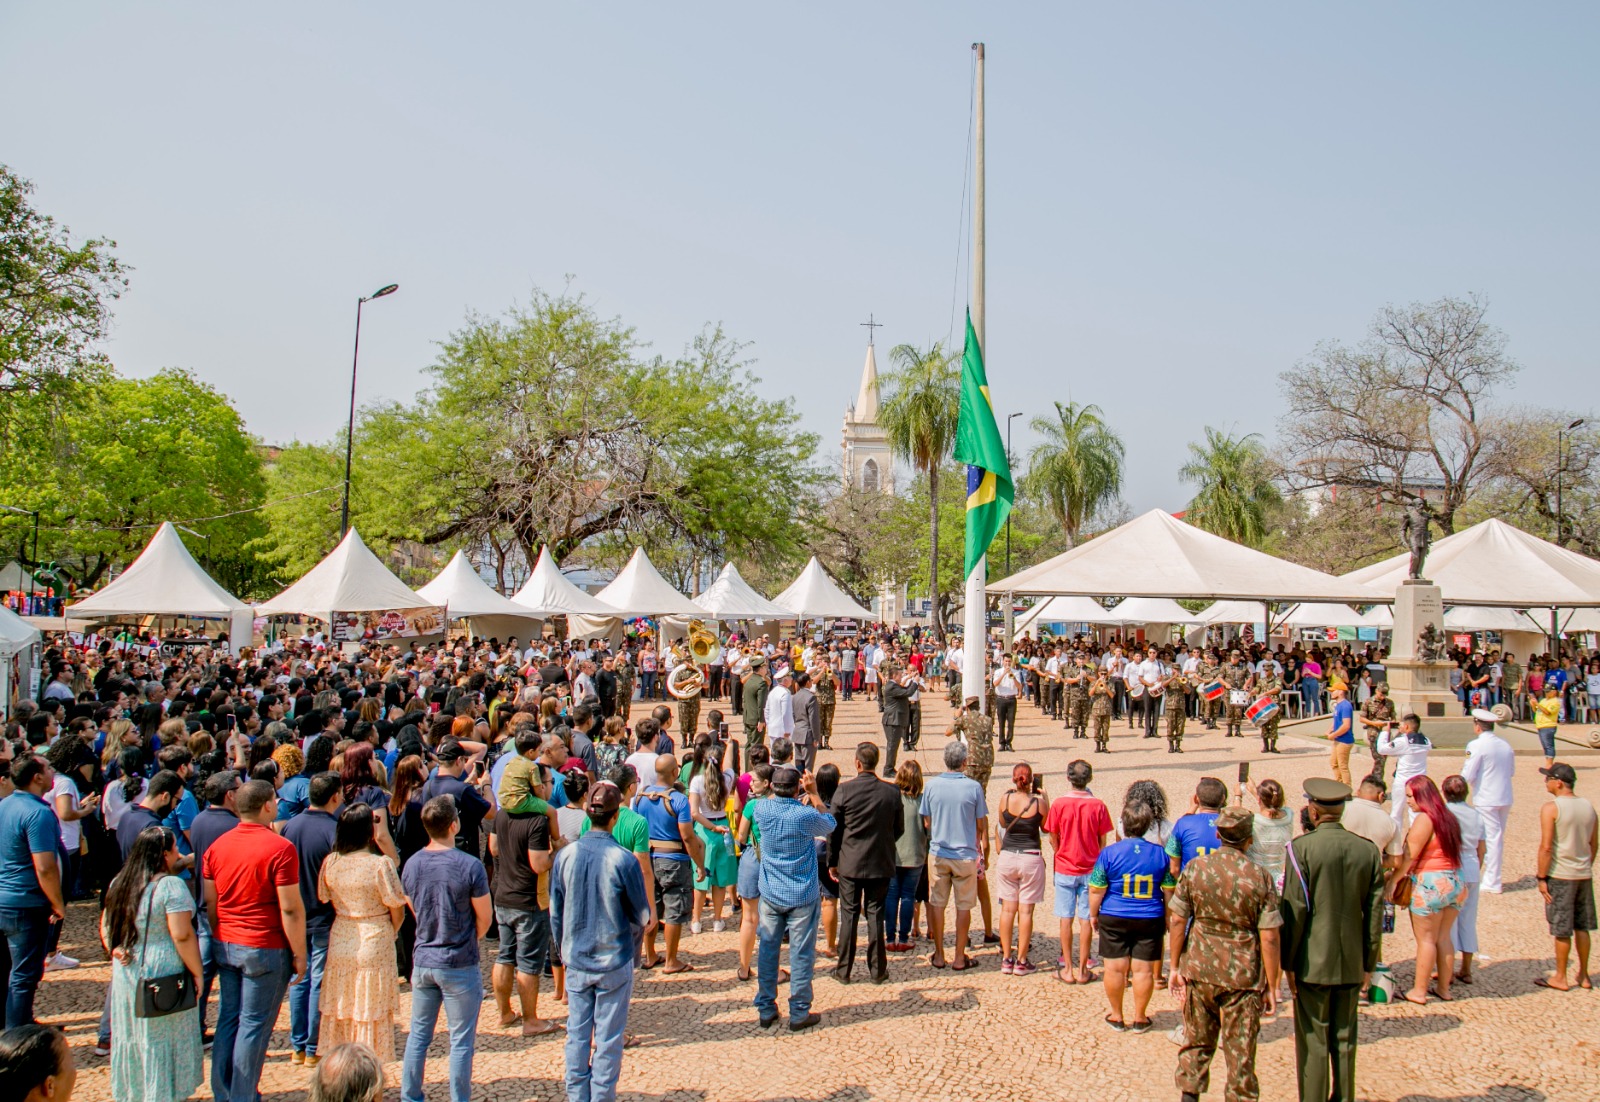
x: 1235, y: 487
x: 920, y: 413
x: 1077, y: 468
x: 303, y: 483
x: 54, y: 296
x: 110, y: 460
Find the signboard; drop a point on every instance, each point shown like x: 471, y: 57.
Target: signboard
x: 390, y: 623
x: 1461, y: 641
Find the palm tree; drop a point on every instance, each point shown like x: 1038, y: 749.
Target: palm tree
x: 920, y: 415
x: 1236, y: 487
x: 1078, y: 466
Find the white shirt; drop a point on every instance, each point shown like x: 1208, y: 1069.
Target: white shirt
x: 1471, y: 834
x: 1490, y: 765
x: 955, y: 659
x: 779, y: 713
x: 644, y: 764
x: 72, y: 831
x: 1413, y: 757
x: 1191, y: 665
x: 1006, y: 682
x: 1151, y: 672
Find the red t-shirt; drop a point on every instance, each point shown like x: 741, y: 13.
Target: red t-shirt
x: 249, y: 864
x: 1078, y: 823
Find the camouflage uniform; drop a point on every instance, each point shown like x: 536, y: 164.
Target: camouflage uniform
x: 1376, y: 709
x: 826, y: 686
x: 1231, y: 899
x: 1078, y: 699
x: 689, y: 718
x: 1208, y: 672
x: 979, y: 733
x: 624, y: 671
x: 1100, y: 713
x: 1266, y: 683
x: 1176, y: 688
x: 1235, y: 677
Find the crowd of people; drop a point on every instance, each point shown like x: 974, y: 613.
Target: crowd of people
x: 325, y: 828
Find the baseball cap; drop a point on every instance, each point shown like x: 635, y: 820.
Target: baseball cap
x: 1561, y: 771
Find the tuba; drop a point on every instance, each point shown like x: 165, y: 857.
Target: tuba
x: 703, y: 644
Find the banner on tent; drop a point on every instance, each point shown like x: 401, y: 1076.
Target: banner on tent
x: 389, y: 623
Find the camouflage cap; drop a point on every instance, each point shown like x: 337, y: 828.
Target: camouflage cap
x: 1236, y: 825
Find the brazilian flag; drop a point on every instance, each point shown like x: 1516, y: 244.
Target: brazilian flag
x: 980, y: 446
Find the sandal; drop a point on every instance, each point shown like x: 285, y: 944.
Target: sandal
x: 1540, y: 981
x: 965, y: 966
x: 1062, y: 977
x: 683, y: 966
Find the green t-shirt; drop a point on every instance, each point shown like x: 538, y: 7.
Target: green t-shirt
x: 748, y: 813
x: 630, y: 830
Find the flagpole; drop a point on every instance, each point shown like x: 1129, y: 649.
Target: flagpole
x: 975, y: 631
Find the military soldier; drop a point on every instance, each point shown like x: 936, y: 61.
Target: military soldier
x: 1223, y: 920
x: 1177, y: 687
x: 754, y: 705
x: 826, y: 686
x: 1210, y: 670
x: 1076, y: 680
x: 977, y: 731
x: 689, y: 706
x: 1235, y: 675
x: 624, y: 672
x: 1100, y: 710
x: 1377, y: 716
x: 1332, y: 931
x: 1271, y: 685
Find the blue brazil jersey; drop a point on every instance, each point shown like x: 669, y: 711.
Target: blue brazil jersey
x: 1132, y: 872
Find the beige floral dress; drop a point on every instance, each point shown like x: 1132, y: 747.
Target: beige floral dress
x: 359, y: 983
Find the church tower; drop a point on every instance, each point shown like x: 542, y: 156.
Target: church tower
x: 868, y: 462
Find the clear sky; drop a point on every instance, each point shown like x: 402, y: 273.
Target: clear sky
x: 1183, y: 198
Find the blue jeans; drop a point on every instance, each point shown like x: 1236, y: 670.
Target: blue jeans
x: 251, y: 983
x: 801, y: 922
x: 901, y: 906
x: 460, y: 992
x: 27, y: 932
x: 208, y: 967
x: 305, y: 1019
x: 597, y: 1011
x: 1311, y: 695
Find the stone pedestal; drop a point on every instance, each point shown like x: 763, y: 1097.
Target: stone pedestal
x: 1419, y: 682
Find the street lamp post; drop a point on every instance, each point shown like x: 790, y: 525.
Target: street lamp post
x: 34, y: 513
x: 350, y: 428
x: 1009, y: 418
x: 1562, y: 435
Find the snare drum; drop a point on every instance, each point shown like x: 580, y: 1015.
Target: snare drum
x: 1239, y: 697
x: 1213, y: 690
x: 1261, y: 711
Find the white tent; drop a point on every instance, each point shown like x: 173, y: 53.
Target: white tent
x: 1157, y: 555
x: 16, y: 634
x: 352, y: 580
x: 730, y: 597
x: 640, y: 590
x: 814, y: 596
x: 1148, y: 610
x: 547, y: 592
x: 19, y: 657
x: 1493, y: 563
x: 1060, y: 610
x: 1487, y: 618
x: 1321, y: 616
x: 163, y: 581
x: 1234, y: 612
x: 468, y: 597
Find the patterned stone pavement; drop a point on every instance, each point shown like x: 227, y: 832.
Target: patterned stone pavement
x: 929, y: 1034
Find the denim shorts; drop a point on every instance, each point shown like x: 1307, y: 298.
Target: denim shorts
x: 1072, y: 896
x: 524, y: 939
x: 749, y: 874
x: 1547, y: 739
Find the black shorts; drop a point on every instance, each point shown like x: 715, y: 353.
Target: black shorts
x: 1571, y: 907
x: 674, y: 888
x: 1139, y: 938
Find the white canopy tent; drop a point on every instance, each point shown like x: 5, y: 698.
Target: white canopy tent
x: 166, y: 581
x: 1060, y: 610
x: 1148, y: 610
x: 547, y: 592
x: 1234, y: 612
x: 1157, y: 555
x: 730, y: 597
x: 352, y: 580
x: 468, y: 597
x: 1496, y: 564
x: 640, y: 590
x: 19, y: 657
x: 1486, y: 618
x: 814, y: 596
x: 1317, y: 615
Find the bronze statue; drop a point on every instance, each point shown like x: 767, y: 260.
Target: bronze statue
x: 1415, y: 534
x: 1430, y: 644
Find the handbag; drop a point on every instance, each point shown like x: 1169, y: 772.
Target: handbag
x: 162, y: 995
x: 1402, y: 890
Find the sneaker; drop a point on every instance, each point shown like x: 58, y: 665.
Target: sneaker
x: 1006, y: 966
x: 719, y: 926
x: 313, y: 1060
x: 102, y: 1051
x: 60, y: 963
x: 297, y: 1058
x: 695, y: 927
x: 991, y: 939
x: 1024, y: 968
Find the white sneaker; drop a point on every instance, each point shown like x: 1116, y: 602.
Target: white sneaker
x: 60, y: 963
x: 718, y: 926
x: 102, y: 1051
x: 695, y: 927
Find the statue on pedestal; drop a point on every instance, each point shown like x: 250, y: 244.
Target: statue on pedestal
x: 1414, y: 533
x: 1430, y: 644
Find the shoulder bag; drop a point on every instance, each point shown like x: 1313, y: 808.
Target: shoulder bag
x: 162, y: 995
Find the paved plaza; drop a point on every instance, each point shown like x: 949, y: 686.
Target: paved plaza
x: 983, y: 1035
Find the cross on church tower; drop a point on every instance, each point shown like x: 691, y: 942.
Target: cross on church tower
x: 871, y: 325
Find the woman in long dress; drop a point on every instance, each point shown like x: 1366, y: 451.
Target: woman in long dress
x: 148, y: 926
x: 359, y: 986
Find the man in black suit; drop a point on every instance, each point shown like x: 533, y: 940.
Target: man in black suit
x: 869, y: 818
x: 897, y: 691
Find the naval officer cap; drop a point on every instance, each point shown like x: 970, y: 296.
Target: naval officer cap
x: 1483, y: 715
x: 1324, y: 790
